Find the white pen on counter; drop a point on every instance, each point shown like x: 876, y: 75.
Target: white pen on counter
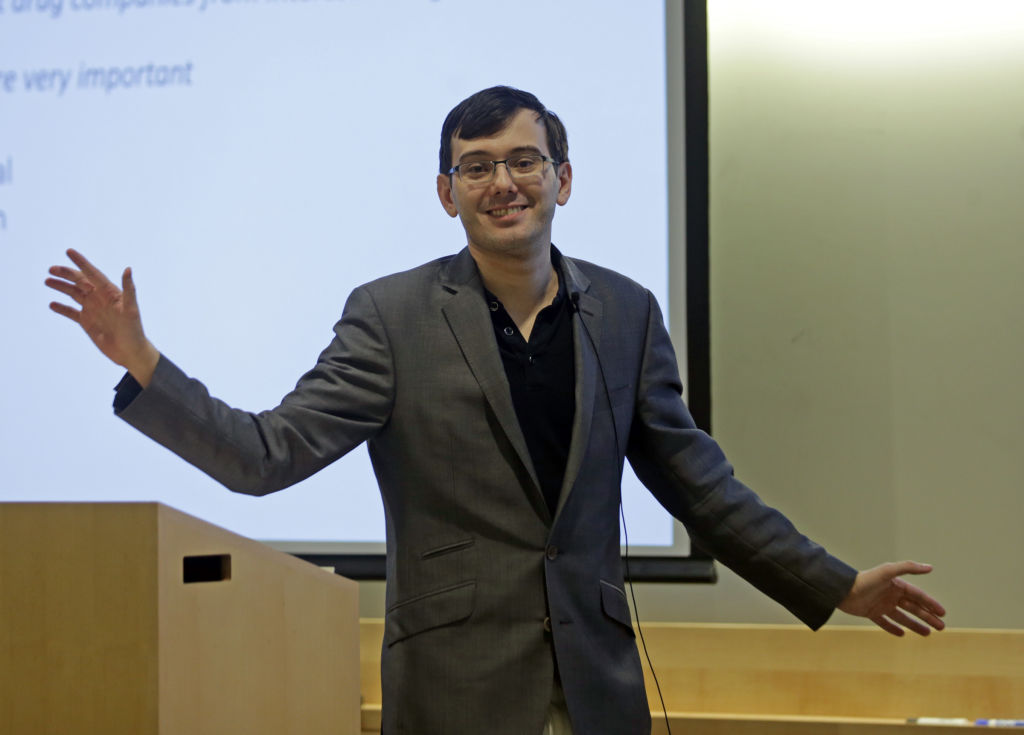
x: 940, y: 721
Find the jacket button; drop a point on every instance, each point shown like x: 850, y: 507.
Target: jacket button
x: 552, y: 552
x: 547, y: 625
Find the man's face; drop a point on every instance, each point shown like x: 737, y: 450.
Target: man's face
x: 506, y: 216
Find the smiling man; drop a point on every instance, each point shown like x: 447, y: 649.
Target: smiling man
x: 504, y: 186
x: 499, y: 391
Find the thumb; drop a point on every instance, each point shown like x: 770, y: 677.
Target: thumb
x: 128, y: 288
x: 910, y: 567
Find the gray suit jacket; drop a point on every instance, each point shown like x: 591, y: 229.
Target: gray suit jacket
x: 485, y: 589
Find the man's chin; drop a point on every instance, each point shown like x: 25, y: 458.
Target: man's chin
x: 513, y: 245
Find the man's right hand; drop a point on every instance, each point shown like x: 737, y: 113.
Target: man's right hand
x: 108, y: 314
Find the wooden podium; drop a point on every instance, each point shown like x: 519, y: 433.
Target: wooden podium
x: 135, y: 618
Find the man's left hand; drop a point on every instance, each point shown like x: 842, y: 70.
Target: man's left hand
x: 881, y: 595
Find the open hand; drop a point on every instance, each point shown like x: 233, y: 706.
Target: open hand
x: 881, y: 595
x: 108, y: 314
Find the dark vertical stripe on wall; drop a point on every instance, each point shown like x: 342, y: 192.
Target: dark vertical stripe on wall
x: 698, y: 322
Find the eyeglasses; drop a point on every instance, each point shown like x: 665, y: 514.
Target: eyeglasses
x: 481, y: 172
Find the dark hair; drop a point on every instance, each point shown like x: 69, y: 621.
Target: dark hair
x: 488, y: 112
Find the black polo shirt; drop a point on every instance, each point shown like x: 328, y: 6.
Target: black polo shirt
x: 542, y: 379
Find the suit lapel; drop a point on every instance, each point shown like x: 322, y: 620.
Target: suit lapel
x: 586, y: 332
x: 470, y: 322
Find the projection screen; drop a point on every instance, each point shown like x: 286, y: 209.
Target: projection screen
x: 255, y: 160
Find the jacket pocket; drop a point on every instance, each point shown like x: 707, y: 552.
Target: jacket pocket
x: 615, y: 606
x: 448, y: 548
x: 427, y: 611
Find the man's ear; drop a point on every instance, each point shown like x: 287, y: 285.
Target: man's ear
x: 564, y: 182
x: 445, y: 194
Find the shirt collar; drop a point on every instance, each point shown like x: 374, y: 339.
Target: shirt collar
x: 556, y: 263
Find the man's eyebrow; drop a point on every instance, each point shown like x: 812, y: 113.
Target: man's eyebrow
x: 479, y: 153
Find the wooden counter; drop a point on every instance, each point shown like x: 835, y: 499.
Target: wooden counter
x: 787, y: 680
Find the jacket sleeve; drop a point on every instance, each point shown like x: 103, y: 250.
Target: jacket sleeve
x: 689, y: 475
x: 342, y: 401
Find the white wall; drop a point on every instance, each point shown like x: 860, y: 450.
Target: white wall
x: 867, y: 254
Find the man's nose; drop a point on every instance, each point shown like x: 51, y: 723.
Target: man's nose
x: 503, y: 180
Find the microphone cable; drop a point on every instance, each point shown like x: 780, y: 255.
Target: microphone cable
x: 622, y: 512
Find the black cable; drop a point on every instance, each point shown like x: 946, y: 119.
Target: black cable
x: 622, y: 512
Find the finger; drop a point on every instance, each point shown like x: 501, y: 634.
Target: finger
x: 69, y: 289
x: 924, y: 614
x: 64, y: 310
x: 88, y: 269
x: 888, y: 626
x: 901, y: 618
x: 68, y: 274
x: 128, y: 288
x: 900, y: 568
x: 916, y: 596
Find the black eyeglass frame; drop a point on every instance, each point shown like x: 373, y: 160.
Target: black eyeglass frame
x: 511, y: 172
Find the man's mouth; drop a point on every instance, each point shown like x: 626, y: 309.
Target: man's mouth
x: 505, y: 211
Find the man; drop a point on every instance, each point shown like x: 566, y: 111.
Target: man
x: 499, y: 391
